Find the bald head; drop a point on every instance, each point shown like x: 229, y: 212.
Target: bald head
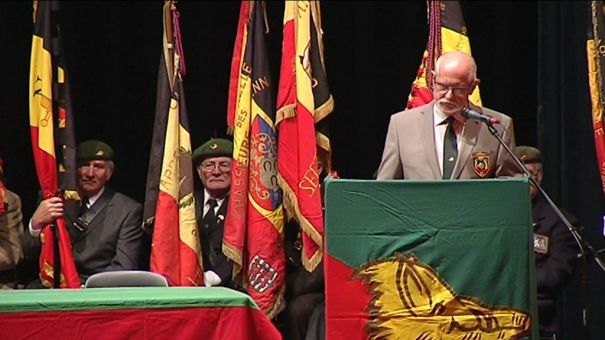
x: 457, y: 65
x: 454, y: 79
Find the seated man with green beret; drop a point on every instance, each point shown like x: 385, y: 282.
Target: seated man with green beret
x: 105, y: 227
x: 212, y: 161
x: 554, y: 247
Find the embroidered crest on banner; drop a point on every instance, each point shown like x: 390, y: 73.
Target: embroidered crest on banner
x: 261, y: 275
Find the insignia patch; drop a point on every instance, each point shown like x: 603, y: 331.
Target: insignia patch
x: 540, y: 244
x: 213, y: 146
x: 481, y: 164
x: 262, y: 276
x: 100, y: 153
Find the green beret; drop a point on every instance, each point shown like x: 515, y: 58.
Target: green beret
x: 215, y: 147
x: 93, y: 150
x: 528, y: 154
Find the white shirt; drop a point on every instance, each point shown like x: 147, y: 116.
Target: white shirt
x: 93, y: 199
x: 207, y: 197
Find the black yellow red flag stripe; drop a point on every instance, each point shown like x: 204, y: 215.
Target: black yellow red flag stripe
x: 53, y: 141
x: 447, y: 32
x: 169, y: 210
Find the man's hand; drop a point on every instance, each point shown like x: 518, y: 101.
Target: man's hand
x: 48, y: 211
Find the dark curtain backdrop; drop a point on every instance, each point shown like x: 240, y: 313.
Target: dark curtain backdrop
x: 565, y: 136
x: 531, y: 61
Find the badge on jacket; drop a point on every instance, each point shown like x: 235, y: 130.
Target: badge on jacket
x: 540, y: 244
x: 481, y: 164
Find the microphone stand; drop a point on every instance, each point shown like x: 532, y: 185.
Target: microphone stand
x: 583, y: 244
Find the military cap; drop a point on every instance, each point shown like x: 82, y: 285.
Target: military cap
x: 94, y: 149
x: 528, y: 154
x: 215, y: 147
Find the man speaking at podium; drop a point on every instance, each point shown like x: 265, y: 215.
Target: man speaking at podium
x: 435, y: 141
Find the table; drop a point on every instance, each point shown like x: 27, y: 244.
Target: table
x: 132, y: 313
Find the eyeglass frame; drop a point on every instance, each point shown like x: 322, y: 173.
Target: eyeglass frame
x: 457, y: 91
x: 223, y: 166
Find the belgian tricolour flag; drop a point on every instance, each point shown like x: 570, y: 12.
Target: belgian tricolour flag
x: 169, y: 202
x: 53, y: 141
x: 447, y: 32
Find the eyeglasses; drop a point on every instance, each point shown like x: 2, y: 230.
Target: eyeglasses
x: 456, y: 91
x: 222, y: 166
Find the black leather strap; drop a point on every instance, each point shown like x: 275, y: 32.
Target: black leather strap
x: 94, y: 210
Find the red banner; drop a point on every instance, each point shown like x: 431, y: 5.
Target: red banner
x: 596, y: 71
x: 2, y: 193
x: 254, y: 223
x: 303, y: 103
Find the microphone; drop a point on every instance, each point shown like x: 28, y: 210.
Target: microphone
x: 469, y: 113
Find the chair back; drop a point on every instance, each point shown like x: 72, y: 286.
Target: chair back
x: 126, y: 278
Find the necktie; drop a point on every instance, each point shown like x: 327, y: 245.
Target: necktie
x: 83, y: 206
x: 210, y: 215
x: 450, y: 149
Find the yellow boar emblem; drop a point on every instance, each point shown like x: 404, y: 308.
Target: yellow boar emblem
x: 411, y: 301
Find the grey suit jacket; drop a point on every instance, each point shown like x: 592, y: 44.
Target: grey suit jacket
x: 409, y: 150
x: 113, y: 240
x: 11, y: 232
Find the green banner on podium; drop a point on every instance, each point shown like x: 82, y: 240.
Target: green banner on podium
x: 429, y: 259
